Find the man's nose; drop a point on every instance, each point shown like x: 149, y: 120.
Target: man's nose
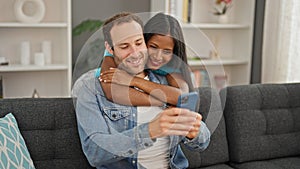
x: 135, y: 51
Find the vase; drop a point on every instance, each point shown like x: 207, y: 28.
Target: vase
x: 46, y: 49
x: 223, y: 19
x: 29, y: 11
x: 39, y: 59
x: 25, y: 53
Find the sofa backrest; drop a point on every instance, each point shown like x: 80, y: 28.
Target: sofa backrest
x: 211, y: 111
x: 49, y: 128
x: 262, y: 121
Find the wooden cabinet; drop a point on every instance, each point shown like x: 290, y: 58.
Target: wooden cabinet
x: 232, y: 40
x: 52, y: 79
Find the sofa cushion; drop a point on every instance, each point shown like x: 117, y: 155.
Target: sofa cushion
x: 282, y: 163
x: 217, y: 166
x: 13, y: 149
x: 49, y: 128
x: 262, y: 121
x: 217, y: 151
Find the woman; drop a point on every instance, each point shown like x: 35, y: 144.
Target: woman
x: 167, y: 57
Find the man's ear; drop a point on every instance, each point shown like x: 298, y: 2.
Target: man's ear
x: 108, y: 48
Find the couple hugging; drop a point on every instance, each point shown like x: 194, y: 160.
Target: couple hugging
x: 121, y: 111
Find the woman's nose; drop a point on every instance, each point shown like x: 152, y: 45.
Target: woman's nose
x: 158, y: 55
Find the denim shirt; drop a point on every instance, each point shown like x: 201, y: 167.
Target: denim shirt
x: 109, y: 133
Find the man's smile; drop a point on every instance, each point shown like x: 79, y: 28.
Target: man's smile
x: 135, y: 62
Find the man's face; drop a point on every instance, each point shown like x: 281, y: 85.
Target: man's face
x: 130, y: 51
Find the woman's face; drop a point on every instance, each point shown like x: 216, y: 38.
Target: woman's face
x: 160, y: 49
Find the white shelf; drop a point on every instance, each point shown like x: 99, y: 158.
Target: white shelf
x: 50, y: 80
x: 214, y: 62
x: 27, y: 68
x: 215, y: 26
x: 232, y: 41
x: 33, y: 25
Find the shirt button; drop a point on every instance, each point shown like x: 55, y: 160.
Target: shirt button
x: 133, y: 115
x: 133, y: 161
x: 146, y: 144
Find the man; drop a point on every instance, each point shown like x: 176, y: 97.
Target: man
x: 118, y: 136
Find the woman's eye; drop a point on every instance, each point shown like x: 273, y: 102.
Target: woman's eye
x: 153, y: 47
x: 167, y: 52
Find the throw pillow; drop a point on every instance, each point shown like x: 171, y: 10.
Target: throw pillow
x: 13, y: 151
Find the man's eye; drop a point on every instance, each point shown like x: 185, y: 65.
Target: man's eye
x: 124, y: 47
x: 139, y: 43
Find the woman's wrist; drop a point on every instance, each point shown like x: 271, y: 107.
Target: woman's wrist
x: 134, y: 81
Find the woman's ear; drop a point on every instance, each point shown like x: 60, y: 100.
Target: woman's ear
x: 108, y: 48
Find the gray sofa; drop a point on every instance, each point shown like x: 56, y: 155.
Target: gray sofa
x: 49, y: 130
x: 263, y: 126
x: 260, y: 129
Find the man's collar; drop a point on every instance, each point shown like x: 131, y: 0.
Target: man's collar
x: 152, y: 77
x: 142, y: 74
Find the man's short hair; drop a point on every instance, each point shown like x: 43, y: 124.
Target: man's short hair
x: 123, y: 17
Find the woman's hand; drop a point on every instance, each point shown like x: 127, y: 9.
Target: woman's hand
x: 117, y: 76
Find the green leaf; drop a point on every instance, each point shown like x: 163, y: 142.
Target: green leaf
x: 86, y: 26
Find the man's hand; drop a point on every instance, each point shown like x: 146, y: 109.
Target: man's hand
x: 195, y: 130
x: 114, y: 75
x: 175, y: 121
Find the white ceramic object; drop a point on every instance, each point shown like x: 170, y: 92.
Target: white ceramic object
x: 223, y: 19
x: 38, y: 11
x: 39, y: 59
x: 2, y: 59
x: 25, y: 53
x: 47, y: 50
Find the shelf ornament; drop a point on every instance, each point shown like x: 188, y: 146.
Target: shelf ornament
x: 25, y: 53
x: 221, y: 10
x: 29, y: 11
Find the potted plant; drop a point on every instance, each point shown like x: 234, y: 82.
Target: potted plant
x: 86, y: 26
x: 91, y: 54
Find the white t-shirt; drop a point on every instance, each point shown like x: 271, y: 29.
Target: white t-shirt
x: 156, y: 156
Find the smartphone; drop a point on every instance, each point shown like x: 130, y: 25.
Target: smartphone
x: 188, y: 101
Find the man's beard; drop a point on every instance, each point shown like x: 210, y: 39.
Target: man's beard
x: 134, y: 64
